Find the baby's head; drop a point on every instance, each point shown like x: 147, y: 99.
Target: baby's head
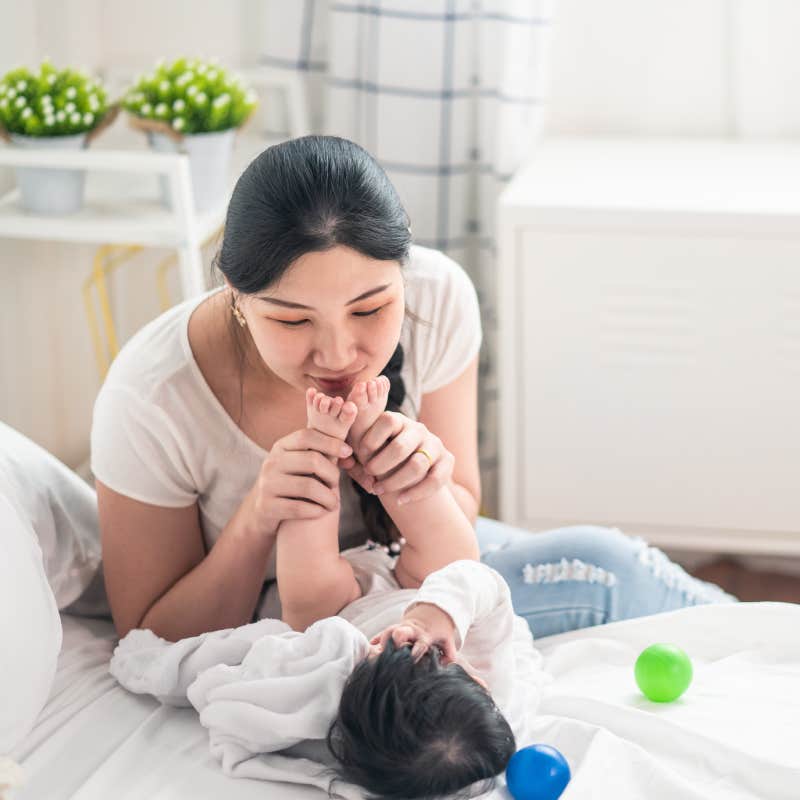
x: 417, y: 730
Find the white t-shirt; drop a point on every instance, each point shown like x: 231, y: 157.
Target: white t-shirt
x: 161, y: 436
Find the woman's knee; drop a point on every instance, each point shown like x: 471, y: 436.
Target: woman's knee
x: 588, y: 553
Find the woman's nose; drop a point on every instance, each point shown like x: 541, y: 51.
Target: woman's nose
x: 336, y: 353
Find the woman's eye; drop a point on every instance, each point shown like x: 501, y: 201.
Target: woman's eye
x: 367, y: 313
x: 294, y: 324
x: 286, y: 322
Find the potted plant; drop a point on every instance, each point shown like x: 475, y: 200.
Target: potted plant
x: 194, y: 107
x: 52, y: 108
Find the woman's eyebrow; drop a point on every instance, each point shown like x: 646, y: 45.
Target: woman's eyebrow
x: 290, y: 304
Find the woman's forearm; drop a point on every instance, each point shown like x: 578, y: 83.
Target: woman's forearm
x: 221, y: 591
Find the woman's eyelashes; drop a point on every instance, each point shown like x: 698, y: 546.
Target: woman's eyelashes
x: 294, y: 324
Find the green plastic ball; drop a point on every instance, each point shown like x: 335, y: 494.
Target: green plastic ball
x: 663, y: 672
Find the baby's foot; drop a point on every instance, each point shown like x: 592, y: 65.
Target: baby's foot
x: 370, y: 398
x: 331, y: 415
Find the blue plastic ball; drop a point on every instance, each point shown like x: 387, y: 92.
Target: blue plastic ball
x: 538, y: 772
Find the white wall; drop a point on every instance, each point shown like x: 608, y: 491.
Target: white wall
x: 687, y: 67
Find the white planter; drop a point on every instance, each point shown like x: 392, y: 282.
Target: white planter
x: 46, y: 190
x: 209, y: 164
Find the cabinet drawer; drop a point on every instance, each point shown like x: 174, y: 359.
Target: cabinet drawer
x: 658, y: 379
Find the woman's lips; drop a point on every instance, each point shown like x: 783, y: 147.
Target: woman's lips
x: 334, y: 386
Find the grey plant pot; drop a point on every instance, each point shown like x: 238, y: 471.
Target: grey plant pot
x: 45, y: 190
x: 209, y: 164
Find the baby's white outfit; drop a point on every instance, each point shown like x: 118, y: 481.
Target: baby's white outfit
x: 268, y: 694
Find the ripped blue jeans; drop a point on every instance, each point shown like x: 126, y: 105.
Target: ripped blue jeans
x: 585, y: 575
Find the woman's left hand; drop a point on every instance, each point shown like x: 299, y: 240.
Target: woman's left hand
x: 398, y: 466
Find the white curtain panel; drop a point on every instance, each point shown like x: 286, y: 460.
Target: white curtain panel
x: 448, y: 95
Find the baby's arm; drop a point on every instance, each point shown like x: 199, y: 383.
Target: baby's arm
x: 437, y: 532
x: 314, y: 581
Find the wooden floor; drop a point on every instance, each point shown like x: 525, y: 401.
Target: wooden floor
x: 748, y: 584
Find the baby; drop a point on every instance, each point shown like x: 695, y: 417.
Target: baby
x: 407, y: 693
x: 414, y: 719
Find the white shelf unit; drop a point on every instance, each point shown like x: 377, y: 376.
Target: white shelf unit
x: 649, y: 341
x: 122, y: 205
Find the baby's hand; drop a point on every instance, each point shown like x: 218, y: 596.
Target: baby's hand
x: 424, y: 625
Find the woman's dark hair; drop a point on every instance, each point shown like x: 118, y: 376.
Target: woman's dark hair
x: 417, y: 730
x: 308, y: 195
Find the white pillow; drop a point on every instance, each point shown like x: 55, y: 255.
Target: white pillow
x: 30, y: 628
x: 59, y: 506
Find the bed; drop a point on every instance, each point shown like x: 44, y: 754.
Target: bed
x: 78, y: 735
x: 733, y: 735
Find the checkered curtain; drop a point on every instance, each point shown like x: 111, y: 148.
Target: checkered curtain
x: 448, y: 95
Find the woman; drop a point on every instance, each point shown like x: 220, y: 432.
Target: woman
x: 200, y: 444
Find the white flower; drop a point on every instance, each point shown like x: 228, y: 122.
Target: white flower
x: 191, y: 90
x: 51, y: 79
x: 3, y: 89
x: 75, y: 118
x: 88, y: 118
x: 4, y: 103
x: 212, y: 75
x: 12, y: 93
x: 222, y: 100
x: 179, y: 123
x: 61, y: 116
x: 26, y: 112
x: 162, y: 109
x: 49, y: 120
x: 70, y: 107
x: 22, y: 85
x: 71, y: 93
x: 163, y: 86
x: 201, y: 69
x: 19, y: 102
x: 146, y: 109
x: 47, y: 100
x: 201, y: 98
x: 178, y: 105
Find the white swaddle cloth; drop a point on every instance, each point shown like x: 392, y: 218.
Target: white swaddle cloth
x: 268, y: 694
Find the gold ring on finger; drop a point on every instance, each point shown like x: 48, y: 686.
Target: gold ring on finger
x: 420, y: 450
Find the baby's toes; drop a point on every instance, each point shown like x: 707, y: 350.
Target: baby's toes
x: 336, y: 406
x: 358, y: 394
x: 323, y: 403
x: 348, y: 413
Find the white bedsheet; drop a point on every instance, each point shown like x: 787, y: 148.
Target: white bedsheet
x: 732, y: 736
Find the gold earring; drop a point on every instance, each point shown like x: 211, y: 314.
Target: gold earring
x: 238, y: 314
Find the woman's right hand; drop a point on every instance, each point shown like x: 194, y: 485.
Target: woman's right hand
x: 297, y: 479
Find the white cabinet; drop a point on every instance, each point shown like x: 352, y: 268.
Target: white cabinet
x: 649, y: 310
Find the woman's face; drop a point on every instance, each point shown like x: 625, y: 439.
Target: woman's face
x: 347, y: 330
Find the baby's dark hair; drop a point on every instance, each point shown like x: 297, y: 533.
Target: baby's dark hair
x: 423, y: 730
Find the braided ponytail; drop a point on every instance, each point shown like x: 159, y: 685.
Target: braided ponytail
x: 379, y: 524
